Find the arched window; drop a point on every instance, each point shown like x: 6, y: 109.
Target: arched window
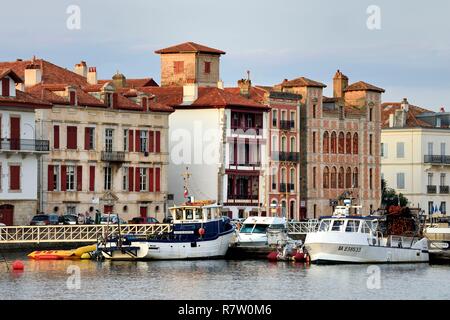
x: 333, y: 178
x: 355, y: 143
x: 326, y: 142
x: 292, y: 210
x: 355, y: 178
x: 274, y: 175
x: 283, y: 175
x: 274, y: 143
x: 348, y: 178
x: 326, y: 178
x: 348, y: 143
x: 341, y: 178
x: 283, y: 144
x: 341, y: 142
x: 283, y: 208
x: 292, y: 179
x: 293, y: 145
x: 333, y: 142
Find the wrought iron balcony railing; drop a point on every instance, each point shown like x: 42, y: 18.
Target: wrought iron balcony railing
x: 431, y: 189
x: 287, y: 124
x: 444, y: 189
x: 286, y: 156
x: 25, y: 145
x: 436, y: 159
x: 113, y: 156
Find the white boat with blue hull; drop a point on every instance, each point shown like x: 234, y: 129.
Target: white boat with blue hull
x: 198, y: 231
x: 343, y: 238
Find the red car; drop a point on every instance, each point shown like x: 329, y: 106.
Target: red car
x: 142, y: 220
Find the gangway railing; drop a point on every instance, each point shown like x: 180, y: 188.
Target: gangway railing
x: 303, y: 227
x: 75, y: 233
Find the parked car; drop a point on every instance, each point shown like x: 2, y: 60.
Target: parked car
x: 142, y: 220
x: 112, y: 219
x: 68, y: 219
x: 44, y: 220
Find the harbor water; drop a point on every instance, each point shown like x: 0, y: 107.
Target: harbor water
x: 219, y: 279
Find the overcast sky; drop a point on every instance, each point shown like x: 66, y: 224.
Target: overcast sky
x: 409, y: 56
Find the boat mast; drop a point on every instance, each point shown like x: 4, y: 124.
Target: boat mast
x: 186, y: 175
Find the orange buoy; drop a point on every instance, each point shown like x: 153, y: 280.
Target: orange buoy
x: 201, y: 231
x: 18, y: 265
x: 272, y: 256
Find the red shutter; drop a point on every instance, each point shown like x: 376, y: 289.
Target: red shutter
x: 151, y: 138
x: 92, y: 178
x: 158, y: 142
x: 56, y: 137
x: 15, y: 133
x: 63, y: 174
x: 115, y: 100
x: 50, y: 178
x: 14, y: 177
x: 79, y: 178
x: 130, y: 179
x: 71, y: 137
x: 158, y: 179
x: 137, y: 180
x: 130, y: 141
x: 5, y: 87
x: 150, y: 177
x: 87, y: 137
x: 72, y: 98
x: 138, y: 141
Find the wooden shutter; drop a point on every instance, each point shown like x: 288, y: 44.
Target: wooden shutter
x: 50, y: 178
x: 150, y: 141
x: 15, y: 133
x: 137, y: 180
x: 130, y: 140
x: 158, y: 141
x: 5, y: 87
x: 115, y: 100
x: 72, y: 99
x: 92, y: 178
x: 14, y: 177
x: 158, y: 179
x: 79, y: 178
x: 130, y: 179
x: 138, y: 141
x: 63, y: 174
x: 71, y: 137
x: 56, y: 137
x: 150, y: 177
x: 87, y: 138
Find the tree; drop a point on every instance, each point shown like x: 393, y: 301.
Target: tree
x: 389, y: 197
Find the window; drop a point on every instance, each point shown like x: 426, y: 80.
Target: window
x: 89, y: 138
x: 326, y: 178
x: 274, y: 118
x: 341, y: 178
x: 355, y: 144
x: 371, y: 114
x: 382, y: 150
x: 274, y: 178
x: 207, y: 67
x: 400, y: 180
x: 125, y: 140
x: 333, y: 178
x: 333, y: 142
x: 274, y: 143
x: 178, y: 67
x: 108, y: 178
x: 143, y: 143
x: 443, y: 207
x: 72, y: 98
x: 314, y: 142
x: 292, y: 179
x: 293, y: 145
x: 430, y: 148
x: 71, y: 209
x: 370, y: 178
x: 14, y: 177
x: 109, y: 140
x: 352, y: 226
x: 337, y: 225
x: 430, y: 207
x: 55, y: 178
x: 56, y: 137
x: 5, y: 87
x: 326, y: 142
x: 400, y: 150
x: 283, y: 144
x: 348, y: 143
x: 293, y: 119
x: 355, y: 182
x: 71, y: 137
x: 430, y: 179
x: 341, y: 143
x: 314, y: 109
x: 348, y: 178
x: 442, y: 180
x: 370, y: 144
x: 314, y: 177
x: 442, y: 148
x: 125, y: 184
x: 143, y: 179
x: 70, y: 178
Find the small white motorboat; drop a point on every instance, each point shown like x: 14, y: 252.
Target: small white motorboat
x: 253, y: 232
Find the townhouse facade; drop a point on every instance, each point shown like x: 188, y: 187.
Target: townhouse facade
x: 108, y: 142
x: 415, y: 156
x: 21, y: 149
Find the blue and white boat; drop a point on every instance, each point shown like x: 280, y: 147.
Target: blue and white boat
x: 199, y: 231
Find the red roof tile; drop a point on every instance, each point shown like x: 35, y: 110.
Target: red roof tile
x: 301, y: 82
x: 189, y: 47
x: 26, y: 100
x: 363, y: 86
x: 412, y: 121
x: 9, y: 72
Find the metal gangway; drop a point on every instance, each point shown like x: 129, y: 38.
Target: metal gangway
x: 75, y: 233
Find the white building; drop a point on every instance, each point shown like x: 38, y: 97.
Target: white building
x: 20, y: 151
x: 416, y: 154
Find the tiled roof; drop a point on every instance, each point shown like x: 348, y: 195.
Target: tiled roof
x: 329, y: 99
x: 26, y: 100
x: 9, y: 72
x: 189, y: 47
x: 301, y: 82
x: 135, y: 83
x: 363, y: 86
x: 257, y: 94
x: 412, y: 121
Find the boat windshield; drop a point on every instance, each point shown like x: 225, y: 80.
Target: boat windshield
x: 179, y: 214
x: 352, y: 226
x: 254, y: 228
x: 189, y: 214
x: 324, y: 225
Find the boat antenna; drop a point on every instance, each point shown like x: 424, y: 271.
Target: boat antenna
x: 186, y: 175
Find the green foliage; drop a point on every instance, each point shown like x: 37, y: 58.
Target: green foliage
x: 389, y: 196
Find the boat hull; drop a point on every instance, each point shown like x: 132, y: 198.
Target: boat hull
x: 328, y: 253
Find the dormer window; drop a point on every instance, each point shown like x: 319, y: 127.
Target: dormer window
x: 144, y: 103
x: 72, y: 98
x: 109, y: 100
x: 5, y: 87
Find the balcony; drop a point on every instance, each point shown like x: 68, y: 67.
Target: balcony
x: 287, y: 187
x: 113, y: 156
x: 431, y: 189
x: 444, y: 189
x: 286, y: 156
x: 254, y: 131
x: 437, y: 159
x: 29, y: 145
x: 287, y: 124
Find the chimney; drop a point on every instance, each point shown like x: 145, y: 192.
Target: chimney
x: 119, y: 80
x: 340, y: 82
x: 244, y: 87
x: 220, y: 84
x: 442, y: 109
x: 405, y: 105
x: 33, y: 75
x: 81, y: 69
x: 391, y: 120
x: 92, y: 75
x: 190, y: 93
x: 400, y: 118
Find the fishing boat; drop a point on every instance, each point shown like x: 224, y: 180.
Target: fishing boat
x: 438, y: 235
x: 345, y: 238
x: 198, y: 231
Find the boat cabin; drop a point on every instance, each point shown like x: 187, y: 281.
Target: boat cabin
x: 261, y: 224
x: 196, y: 212
x: 348, y: 224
